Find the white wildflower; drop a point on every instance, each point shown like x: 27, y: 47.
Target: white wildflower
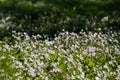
x: 97, y: 78
x: 104, y: 19
x: 91, y: 49
x: 32, y: 72
x: 55, y: 70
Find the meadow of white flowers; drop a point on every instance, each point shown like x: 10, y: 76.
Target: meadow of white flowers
x: 70, y: 56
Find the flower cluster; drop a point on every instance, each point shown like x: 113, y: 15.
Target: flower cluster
x: 69, y: 56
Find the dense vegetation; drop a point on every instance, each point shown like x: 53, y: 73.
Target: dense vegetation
x: 51, y: 17
x: 59, y: 40
x: 92, y: 56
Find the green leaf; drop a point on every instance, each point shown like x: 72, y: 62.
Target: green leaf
x: 63, y: 66
x: 91, y: 63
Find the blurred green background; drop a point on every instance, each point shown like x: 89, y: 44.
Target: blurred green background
x: 53, y: 16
